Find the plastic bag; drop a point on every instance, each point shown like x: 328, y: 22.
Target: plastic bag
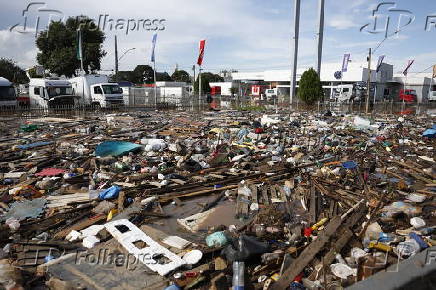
x: 110, y: 193
x: 217, y: 239
x: 244, y: 248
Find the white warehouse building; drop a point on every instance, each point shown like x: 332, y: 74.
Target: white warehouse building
x: 387, y: 84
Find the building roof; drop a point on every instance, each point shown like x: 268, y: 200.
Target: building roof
x: 356, y: 72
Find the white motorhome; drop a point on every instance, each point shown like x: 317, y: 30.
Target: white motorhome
x: 271, y: 93
x: 344, y: 93
x: 432, y: 96
x: 51, y: 93
x: 95, y: 90
x: 8, y: 97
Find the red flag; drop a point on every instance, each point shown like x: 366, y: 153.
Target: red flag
x: 201, y: 55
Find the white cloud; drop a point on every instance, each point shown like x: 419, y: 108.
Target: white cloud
x: 342, y: 22
x: 19, y: 47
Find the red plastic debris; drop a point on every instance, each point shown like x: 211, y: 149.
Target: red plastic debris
x: 308, y: 232
x: 50, y: 172
x: 258, y: 130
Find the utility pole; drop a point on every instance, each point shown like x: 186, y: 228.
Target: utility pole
x: 294, y: 52
x: 320, y: 34
x: 116, y: 56
x: 368, y: 89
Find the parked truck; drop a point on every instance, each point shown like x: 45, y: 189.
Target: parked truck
x: 95, y: 90
x: 8, y: 97
x: 408, y: 96
x: 51, y: 93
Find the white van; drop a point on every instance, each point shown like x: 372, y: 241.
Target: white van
x: 8, y: 96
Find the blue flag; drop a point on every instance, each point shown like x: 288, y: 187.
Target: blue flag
x: 153, y: 46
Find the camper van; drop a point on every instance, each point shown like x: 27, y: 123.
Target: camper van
x: 95, y: 90
x: 8, y: 97
x: 51, y: 93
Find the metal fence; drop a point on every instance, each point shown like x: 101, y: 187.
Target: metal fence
x: 140, y: 101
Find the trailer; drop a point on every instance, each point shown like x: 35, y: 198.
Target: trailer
x: 51, y: 93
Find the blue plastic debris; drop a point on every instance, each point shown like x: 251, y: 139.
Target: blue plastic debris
x: 110, y: 193
x: 33, y: 145
x: 419, y: 240
x: 115, y: 148
x: 349, y: 164
x: 430, y: 133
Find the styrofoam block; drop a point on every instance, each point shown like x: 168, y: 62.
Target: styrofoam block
x: 147, y: 254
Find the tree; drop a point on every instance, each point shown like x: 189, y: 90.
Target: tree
x: 58, y: 46
x: 163, y: 77
x: 143, y: 74
x: 181, y: 76
x: 11, y: 71
x: 206, y: 78
x: 310, y: 88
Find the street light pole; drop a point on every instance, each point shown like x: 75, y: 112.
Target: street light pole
x: 130, y: 49
x: 368, y: 89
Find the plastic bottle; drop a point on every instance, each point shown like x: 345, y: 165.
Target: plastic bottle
x: 238, y: 275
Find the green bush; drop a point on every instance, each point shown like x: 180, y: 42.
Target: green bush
x: 310, y: 88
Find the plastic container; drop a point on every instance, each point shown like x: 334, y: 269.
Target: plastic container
x: 238, y: 275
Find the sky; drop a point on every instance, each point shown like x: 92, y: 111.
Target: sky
x: 245, y: 35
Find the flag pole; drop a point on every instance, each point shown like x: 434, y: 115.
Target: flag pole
x: 155, y: 86
x: 199, y: 88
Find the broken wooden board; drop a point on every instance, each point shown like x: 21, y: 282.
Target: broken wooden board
x: 307, y: 255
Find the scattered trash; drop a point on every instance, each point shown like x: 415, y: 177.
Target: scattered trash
x: 211, y: 200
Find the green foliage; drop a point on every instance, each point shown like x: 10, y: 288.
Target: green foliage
x: 206, y: 78
x: 143, y: 74
x: 181, y: 76
x: 11, y: 71
x: 310, y: 88
x: 163, y: 77
x: 58, y: 46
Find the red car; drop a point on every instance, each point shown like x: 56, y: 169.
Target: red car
x: 409, y: 96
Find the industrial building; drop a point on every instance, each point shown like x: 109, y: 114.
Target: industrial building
x: 387, y: 84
